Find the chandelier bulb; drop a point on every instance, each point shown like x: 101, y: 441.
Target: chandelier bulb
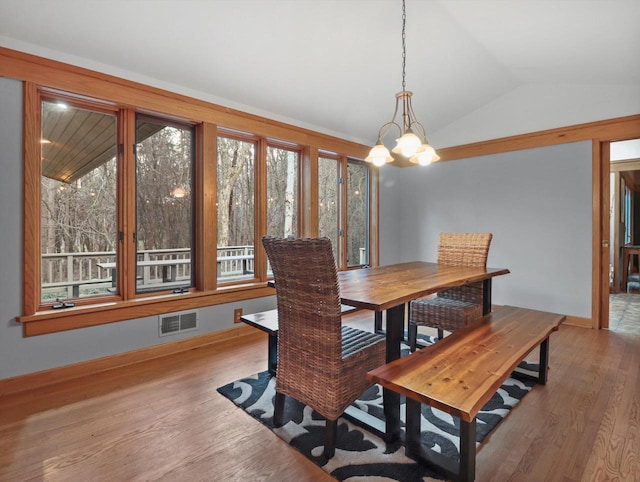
x: 379, y: 155
x: 425, y: 155
x: 408, y: 144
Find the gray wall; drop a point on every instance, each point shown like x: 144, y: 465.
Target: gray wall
x: 537, y: 204
x: 20, y: 355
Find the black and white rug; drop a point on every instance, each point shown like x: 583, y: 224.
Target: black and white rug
x: 361, y: 454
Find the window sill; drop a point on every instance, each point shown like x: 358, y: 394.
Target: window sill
x: 52, y: 321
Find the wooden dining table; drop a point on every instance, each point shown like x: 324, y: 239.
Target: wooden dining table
x: 388, y: 289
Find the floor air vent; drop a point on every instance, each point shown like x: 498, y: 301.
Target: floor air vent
x: 177, y: 322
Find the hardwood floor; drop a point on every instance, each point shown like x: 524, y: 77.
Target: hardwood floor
x: 164, y: 420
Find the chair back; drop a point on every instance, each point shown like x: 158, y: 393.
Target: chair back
x: 464, y: 249
x: 308, y: 300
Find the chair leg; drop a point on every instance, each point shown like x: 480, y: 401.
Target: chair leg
x: 278, y: 410
x: 440, y: 333
x: 378, y: 321
x: 413, y: 336
x: 330, y: 436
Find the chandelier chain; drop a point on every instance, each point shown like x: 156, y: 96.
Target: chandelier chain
x: 404, y: 45
x: 412, y: 141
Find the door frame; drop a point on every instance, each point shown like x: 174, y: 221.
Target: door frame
x: 601, y: 233
x: 601, y: 167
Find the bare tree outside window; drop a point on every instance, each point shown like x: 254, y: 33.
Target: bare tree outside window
x: 282, y: 192
x: 328, y: 201
x: 164, y: 205
x: 236, y: 188
x: 357, y: 213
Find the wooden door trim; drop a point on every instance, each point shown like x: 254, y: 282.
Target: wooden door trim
x: 601, y: 218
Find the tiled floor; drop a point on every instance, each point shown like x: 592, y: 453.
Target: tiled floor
x: 624, y: 312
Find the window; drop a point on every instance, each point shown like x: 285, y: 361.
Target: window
x: 329, y: 202
x: 282, y: 191
x: 236, y: 208
x: 165, y: 157
x: 343, y: 209
x: 357, y: 213
x: 131, y: 212
x: 83, y: 240
x: 78, y: 201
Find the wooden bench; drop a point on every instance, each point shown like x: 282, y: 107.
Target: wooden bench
x: 267, y: 321
x: 460, y: 374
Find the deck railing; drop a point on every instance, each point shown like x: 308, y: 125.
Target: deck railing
x: 70, y: 275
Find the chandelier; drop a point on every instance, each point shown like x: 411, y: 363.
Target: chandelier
x: 412, y: 142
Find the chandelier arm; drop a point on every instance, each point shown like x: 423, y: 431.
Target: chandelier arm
x: 418, y: 129
x: 414, y: 122
x: 407, y: 112
x: 385, y: 129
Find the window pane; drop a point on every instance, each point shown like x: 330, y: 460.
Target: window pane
x: 164, y: 206
x: 236, y: 161
x: 357, y: 213
x: 78, y: 203
x: 282, y: 192
x: 328, y: 207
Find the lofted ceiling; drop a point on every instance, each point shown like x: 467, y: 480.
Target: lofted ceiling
x: 335, y: 65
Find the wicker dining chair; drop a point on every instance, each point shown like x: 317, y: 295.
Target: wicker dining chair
x: 320, y: 363
x: 453, y: 308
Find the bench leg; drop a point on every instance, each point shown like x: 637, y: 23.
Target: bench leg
x: 541, y: 375
x: 544, y: 362
x: 464, y: 469
x: 391, y: 404
x: 412, y: 429
x: 467, y: 450
x: 486, y: 297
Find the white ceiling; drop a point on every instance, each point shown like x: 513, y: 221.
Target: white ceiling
x: 335, y: 65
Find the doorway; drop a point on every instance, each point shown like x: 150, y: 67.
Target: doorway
x: 624, y: 209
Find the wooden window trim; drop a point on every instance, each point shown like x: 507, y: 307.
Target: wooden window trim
x: 40, y: 74
x: 31, y: 200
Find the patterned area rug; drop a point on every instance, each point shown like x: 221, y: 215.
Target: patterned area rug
x: 359, y: 453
